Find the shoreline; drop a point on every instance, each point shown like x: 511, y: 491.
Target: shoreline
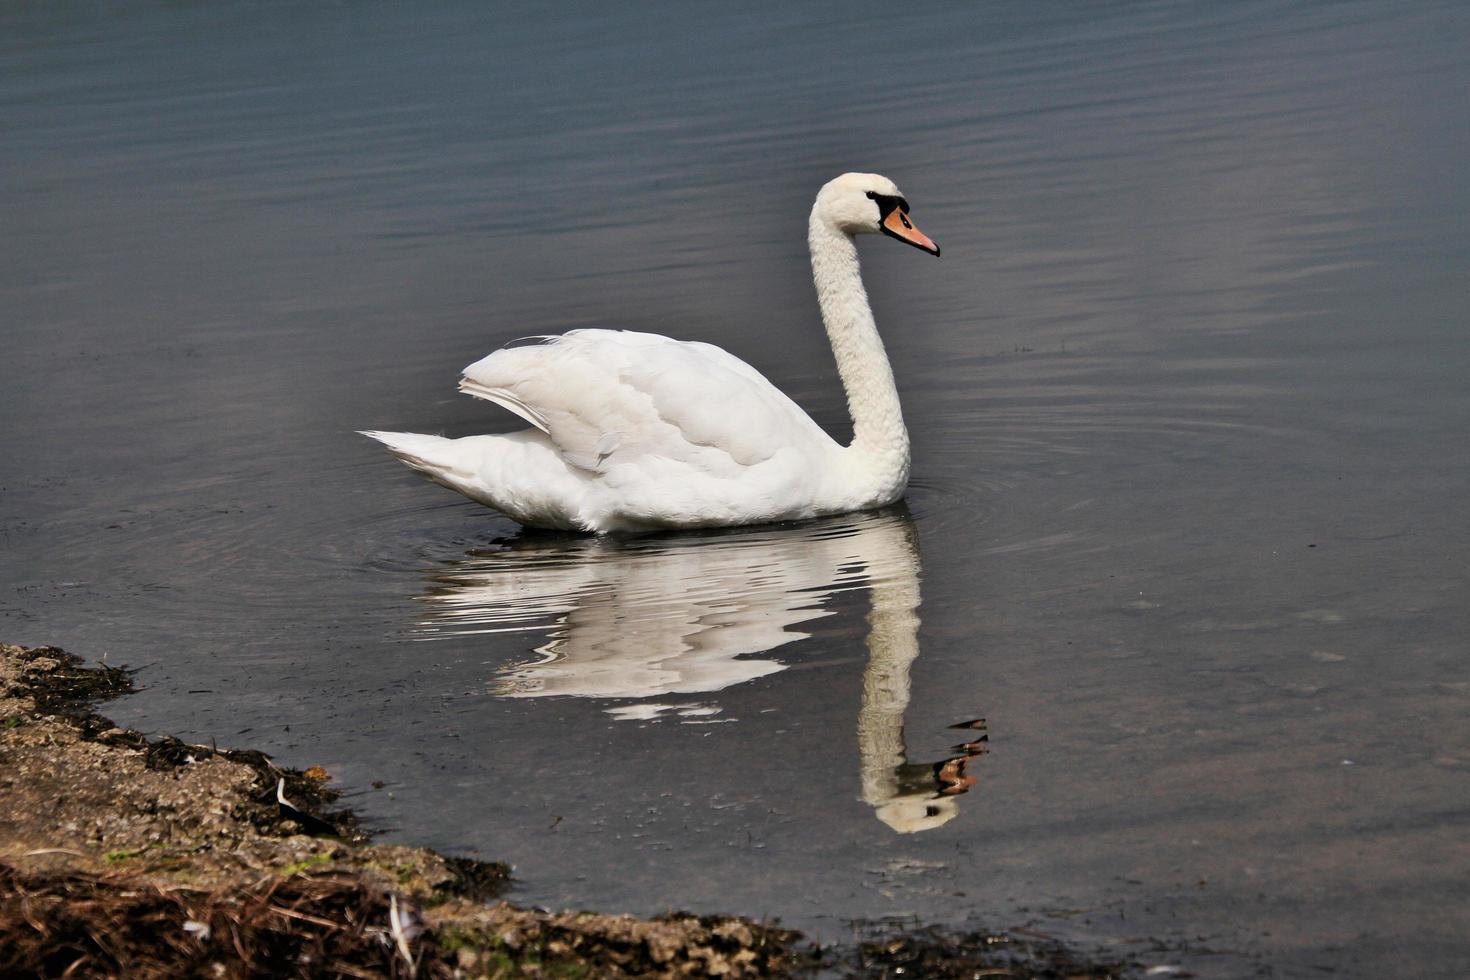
x: 121, y: 853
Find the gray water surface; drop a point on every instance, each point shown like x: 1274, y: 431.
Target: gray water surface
x: 1188, y: 395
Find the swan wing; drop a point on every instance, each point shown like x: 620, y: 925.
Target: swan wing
x: 612, y: 397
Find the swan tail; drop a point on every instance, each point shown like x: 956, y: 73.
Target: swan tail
x: 438, y: 458
x: 519, y: 474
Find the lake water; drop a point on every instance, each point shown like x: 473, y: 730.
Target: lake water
x: 1188, y: 392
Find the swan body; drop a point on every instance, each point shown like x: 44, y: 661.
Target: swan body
x: 634, y: 431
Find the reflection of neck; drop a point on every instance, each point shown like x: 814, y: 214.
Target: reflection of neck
x: 893, y: 643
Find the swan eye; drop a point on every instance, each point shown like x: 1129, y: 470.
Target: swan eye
x: 888, y: 203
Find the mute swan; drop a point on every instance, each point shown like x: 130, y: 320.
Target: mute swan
x: 633, y: 431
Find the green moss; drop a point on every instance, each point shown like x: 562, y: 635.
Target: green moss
x: 497, y: 963
x: 113, y: 857
x: 456, y: 938
x: 297, y: 867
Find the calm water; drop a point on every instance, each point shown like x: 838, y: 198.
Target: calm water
x: 1188, y: 524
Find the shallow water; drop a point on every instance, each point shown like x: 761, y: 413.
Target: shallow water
x: 1187, y: 391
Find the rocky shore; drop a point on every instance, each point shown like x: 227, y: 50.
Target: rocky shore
x: 149, y: 857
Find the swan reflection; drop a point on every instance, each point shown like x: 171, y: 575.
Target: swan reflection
x: 692, y: 614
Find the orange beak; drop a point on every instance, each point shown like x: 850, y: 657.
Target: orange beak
x: 901, y: 227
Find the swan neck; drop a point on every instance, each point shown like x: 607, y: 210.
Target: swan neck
x: 880, y: 439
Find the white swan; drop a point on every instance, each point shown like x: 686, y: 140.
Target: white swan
x: 633, y: 431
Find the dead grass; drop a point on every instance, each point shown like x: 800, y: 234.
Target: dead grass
x: 82, y: 925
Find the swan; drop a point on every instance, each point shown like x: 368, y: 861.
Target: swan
x: 634, y: 431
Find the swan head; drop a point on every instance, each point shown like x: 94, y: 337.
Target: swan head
x: 869, y: 204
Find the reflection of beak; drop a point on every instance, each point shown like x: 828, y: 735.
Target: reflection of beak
x: 952, y: 777
x: 898, y: 225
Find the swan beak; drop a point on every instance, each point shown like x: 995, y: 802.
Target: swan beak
x: 898, y: 225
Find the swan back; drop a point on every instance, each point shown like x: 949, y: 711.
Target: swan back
x: 611, y: 398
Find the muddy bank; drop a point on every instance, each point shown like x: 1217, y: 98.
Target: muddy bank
x: 121, y: 854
